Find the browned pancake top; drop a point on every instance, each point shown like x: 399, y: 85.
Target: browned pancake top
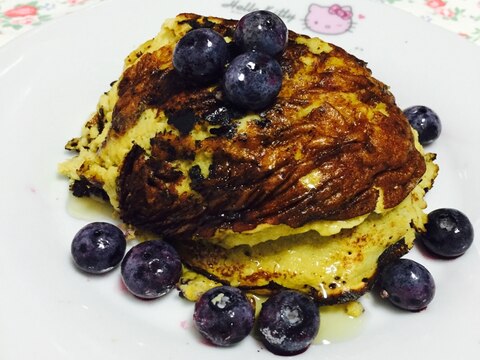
x: 254, y: 177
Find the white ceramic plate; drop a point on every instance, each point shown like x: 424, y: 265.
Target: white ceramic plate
x: 50, y: 80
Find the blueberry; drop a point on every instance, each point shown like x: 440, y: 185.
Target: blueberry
x: 253, y: 80
x: 261, y: 31
x: 98, y: 247
x: 201, y: 55
x: 407, y: 285
x: 425, y: 121
x: 224, y: 315
x: 288, y: 322
x: 449, y: 233
x: 151, y: 269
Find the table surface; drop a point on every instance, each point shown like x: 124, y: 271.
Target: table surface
x: 459, y: 16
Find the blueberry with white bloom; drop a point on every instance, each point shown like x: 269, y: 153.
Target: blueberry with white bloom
x: 224, y: 315
x: 151, y: 269
x: 98, y: 247
x: 288, y: 323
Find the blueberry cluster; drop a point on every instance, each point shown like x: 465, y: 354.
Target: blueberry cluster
x: 224, y: 315
x: 149, y: 270
x: 253, y: 79
x: 408, y: 284
x: 287, y: 323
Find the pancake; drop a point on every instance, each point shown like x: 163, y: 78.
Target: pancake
x: 332, y: 269
x: 176, y: 159
x: 332, y: 160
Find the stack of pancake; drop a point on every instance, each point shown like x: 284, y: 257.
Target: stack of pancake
x: 313, y: 193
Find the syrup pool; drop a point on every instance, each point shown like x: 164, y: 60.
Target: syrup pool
x: 336, y: 325
x: 85, y: 208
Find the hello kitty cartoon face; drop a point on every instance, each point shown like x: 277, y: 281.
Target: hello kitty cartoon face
x: 330, y: 20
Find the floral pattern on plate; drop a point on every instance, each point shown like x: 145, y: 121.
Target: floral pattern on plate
x: 323, y: 17
x: 459, y: 16
x: 16, y: 16
x: 23, y: 15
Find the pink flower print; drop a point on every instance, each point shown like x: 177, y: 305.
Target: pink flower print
x: 446, y: 13
x: 24, y: 20
x: 21, y: 11
x: 75, y: 2
x: 435, y: 4
x: 22, y: 16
